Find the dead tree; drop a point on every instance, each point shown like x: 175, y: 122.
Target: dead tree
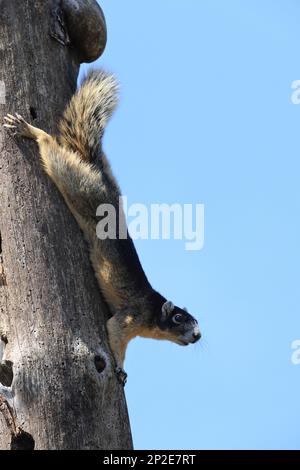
x: 57, y: 385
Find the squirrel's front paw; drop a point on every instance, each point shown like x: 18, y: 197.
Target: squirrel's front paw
x: 121, y: 375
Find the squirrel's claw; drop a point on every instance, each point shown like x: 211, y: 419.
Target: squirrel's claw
x: 17, y: 125
x: 121, y: 375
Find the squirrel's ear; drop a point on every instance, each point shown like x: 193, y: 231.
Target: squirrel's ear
x: 185, y: 309
x: 166, y: 309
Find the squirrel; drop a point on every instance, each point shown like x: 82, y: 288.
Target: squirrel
x: 76, y: 163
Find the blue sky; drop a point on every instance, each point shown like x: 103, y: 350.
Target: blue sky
x: 206, y: 117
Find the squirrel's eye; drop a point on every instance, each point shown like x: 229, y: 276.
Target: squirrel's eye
x: 178, y: 318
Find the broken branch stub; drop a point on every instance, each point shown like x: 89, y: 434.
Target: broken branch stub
x: 86, y: 26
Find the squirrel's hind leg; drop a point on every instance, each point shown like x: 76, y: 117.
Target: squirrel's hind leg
x: 80, y: 185
x: 19, y: 126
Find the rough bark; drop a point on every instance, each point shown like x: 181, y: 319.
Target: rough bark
x: 57, y: 385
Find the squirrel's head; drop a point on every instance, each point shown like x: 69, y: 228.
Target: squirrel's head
x: 178, y: 325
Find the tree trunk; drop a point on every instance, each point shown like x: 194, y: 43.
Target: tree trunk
x: 58, y: 389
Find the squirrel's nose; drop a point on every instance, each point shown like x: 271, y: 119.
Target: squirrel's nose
x: 196, y: 336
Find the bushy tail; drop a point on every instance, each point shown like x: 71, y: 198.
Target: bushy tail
x: 87, y: 114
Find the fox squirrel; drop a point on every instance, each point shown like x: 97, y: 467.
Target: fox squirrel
x: 76, y: 163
